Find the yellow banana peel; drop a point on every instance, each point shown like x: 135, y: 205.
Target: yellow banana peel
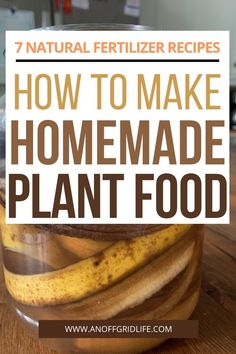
x: 90, y: 275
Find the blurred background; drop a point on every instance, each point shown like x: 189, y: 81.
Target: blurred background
x: 161, y: 14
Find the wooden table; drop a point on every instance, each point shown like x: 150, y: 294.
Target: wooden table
x: 216, y: 310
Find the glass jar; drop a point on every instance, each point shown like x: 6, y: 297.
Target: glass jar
x: 99, y: 272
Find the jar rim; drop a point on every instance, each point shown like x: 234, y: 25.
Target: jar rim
x: 96, y: 27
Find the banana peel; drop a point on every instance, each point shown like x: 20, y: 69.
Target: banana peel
x: 90, y: 275
x: 138, y: 287
x: 132, y: 298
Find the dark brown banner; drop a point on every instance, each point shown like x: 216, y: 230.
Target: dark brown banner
x: 118, y: 329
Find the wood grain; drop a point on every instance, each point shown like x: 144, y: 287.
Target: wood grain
x: 216, y: 310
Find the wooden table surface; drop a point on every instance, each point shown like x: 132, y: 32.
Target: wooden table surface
x: 216, y: 310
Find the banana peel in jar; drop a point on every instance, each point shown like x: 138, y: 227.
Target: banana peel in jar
x: 93, y: 274
x: 132, y: 297
x: 25, y: 239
